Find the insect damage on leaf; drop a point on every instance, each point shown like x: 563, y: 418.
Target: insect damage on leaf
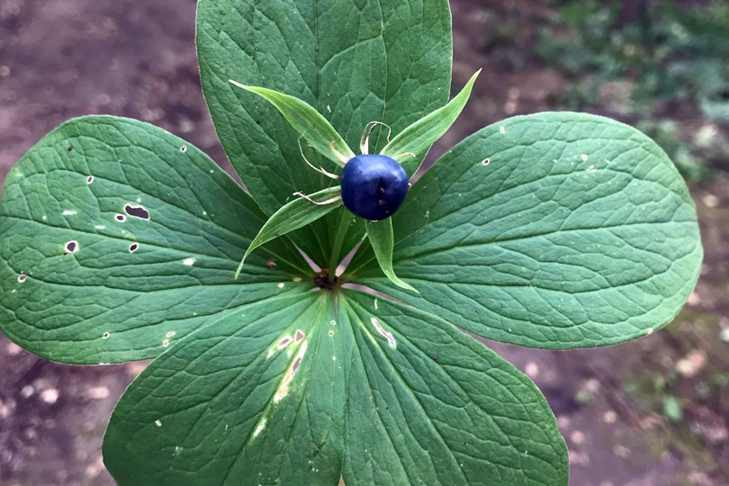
x: 137, y: 211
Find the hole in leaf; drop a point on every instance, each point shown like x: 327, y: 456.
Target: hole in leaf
x: 22, y: 277
x: 133, y: 247
x: 71, y: 247
x: 90, y: 180
x: 136, y: 211
x: 183, y: 148
x: 120, y: 217
x: 486, y: 162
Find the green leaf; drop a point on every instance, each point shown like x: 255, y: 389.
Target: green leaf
x: 418, y: 137
x: 294, y: 215
x: 252, y: 398
x: 354, y: 62
x: 308, y: 122
x: 555, y: 230
x: 224, y: 406
x: 430, y: 405
x: 381, y: 238
x: 78, y: 285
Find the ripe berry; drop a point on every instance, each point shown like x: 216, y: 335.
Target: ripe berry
x: 373, y: 186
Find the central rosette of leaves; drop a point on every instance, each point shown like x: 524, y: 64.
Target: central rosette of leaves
x: 372, y: 186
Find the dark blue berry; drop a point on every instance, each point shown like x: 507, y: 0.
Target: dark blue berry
x: 373, y: 186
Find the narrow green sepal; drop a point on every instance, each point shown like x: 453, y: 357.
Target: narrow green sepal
x: 382, y: 239
x: 294, y: 215
x: 307, y: 121
x: 418, y: 137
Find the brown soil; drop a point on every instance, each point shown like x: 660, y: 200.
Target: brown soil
x: 63, y: 58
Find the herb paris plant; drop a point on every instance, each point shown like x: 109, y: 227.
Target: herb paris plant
x: 556, y: 230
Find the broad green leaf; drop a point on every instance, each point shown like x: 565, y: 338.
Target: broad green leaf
x: 354, y: 62
x: 294, y: 215
x: 118, y: 238
x: 381, y: 238
x: 225, y: 407
x: 555, y: 230
x: 256, y: 397
x: 418, y: 137
x: 430, y: 405
x: 308, y: 122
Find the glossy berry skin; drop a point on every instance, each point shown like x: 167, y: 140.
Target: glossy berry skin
x: 373, y: 186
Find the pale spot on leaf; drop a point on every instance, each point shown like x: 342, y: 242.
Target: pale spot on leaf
x: 382, y: 332
x: 260, y: 427
x: 188, y: 262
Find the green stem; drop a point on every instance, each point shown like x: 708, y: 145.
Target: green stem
x: 345, y: 219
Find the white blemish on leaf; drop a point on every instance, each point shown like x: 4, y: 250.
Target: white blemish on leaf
x: 165, y: 343
x: 99, y: 227
x: 282, y: 344
x: 297, y: 279
x: 299, y: 335
x: 280, y: 285
x: 44, y: 218
x: 171, y: 334
x: 376, y: 305
x: 69, y: 212
x: 502, y: 130
x: 183, y: 148
x: 178, y: 451
x: 486, y: 162
x: 427, y: 214
x: 332, y: 332
x: 260, y: 427
x: 158, y: 423
x: 584, y: 157
x: 283, y: 388
x: 22, y: 277
x: 188, y: 262
x: 382, y: 332
x: 106, y: 335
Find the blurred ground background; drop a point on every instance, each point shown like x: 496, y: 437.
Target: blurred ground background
x: 650, y: 413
